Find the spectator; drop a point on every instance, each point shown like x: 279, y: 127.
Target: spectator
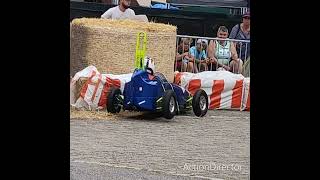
x: 122, y: 11
x: 223, y: 54
x: 242, y: 32
x: 246, y: 68
x: 205, y: 49
x: 205, y: 45
x: 198, y: 55
x: 184, y: 62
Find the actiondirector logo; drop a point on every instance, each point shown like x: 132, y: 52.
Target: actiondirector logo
x: 211, y: 167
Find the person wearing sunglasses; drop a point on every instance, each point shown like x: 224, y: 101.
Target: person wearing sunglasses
x: 222, y: 53
x: 242, y: 32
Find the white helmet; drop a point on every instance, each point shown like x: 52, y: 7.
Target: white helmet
x: 149, y: 65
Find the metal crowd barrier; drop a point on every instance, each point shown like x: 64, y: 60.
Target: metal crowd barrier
x: 184, y: 64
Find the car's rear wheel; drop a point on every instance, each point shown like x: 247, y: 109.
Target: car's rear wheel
x: 114, y: 102
x: 169, y: 105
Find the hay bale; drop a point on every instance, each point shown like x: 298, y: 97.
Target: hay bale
x: 110, y: 45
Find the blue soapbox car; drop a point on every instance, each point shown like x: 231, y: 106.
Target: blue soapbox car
x: 152, y: 92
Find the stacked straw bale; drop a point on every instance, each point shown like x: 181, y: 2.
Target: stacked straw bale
x: 110, y: 45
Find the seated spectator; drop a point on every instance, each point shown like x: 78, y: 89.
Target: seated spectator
x: 205, y: 45
x: 199, y: 56
x: 223, y: 54
x: 183, y: 61
x: 246, y: 68
x: 242, y: 32
x: 205, y: 48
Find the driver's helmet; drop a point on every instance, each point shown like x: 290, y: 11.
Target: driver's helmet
x: 149, y: 65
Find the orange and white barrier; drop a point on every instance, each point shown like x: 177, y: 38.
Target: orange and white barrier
x: 118, y: 81
x: 85, y: 73
x: 224, y: 89
x: 93, y: 94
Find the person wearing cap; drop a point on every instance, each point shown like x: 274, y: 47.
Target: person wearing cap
x: 242, y: 32
x: 199, y: 56
x: 223, y: 54
x: 122, y: 11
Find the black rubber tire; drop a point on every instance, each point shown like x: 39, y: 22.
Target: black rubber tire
x: 167, y: 113
x: 112, y: 102
x: 197, y: 109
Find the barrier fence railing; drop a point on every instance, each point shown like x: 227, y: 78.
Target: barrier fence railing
x: 192, y: 55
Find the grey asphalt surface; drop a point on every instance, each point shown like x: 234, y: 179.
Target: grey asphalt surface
x: 145, y: 147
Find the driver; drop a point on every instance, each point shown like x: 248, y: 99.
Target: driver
x: 149, y: 67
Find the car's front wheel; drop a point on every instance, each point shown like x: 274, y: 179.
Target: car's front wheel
x: 200, y: 103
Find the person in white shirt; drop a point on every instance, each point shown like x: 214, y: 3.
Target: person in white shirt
x: 122, y: 11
